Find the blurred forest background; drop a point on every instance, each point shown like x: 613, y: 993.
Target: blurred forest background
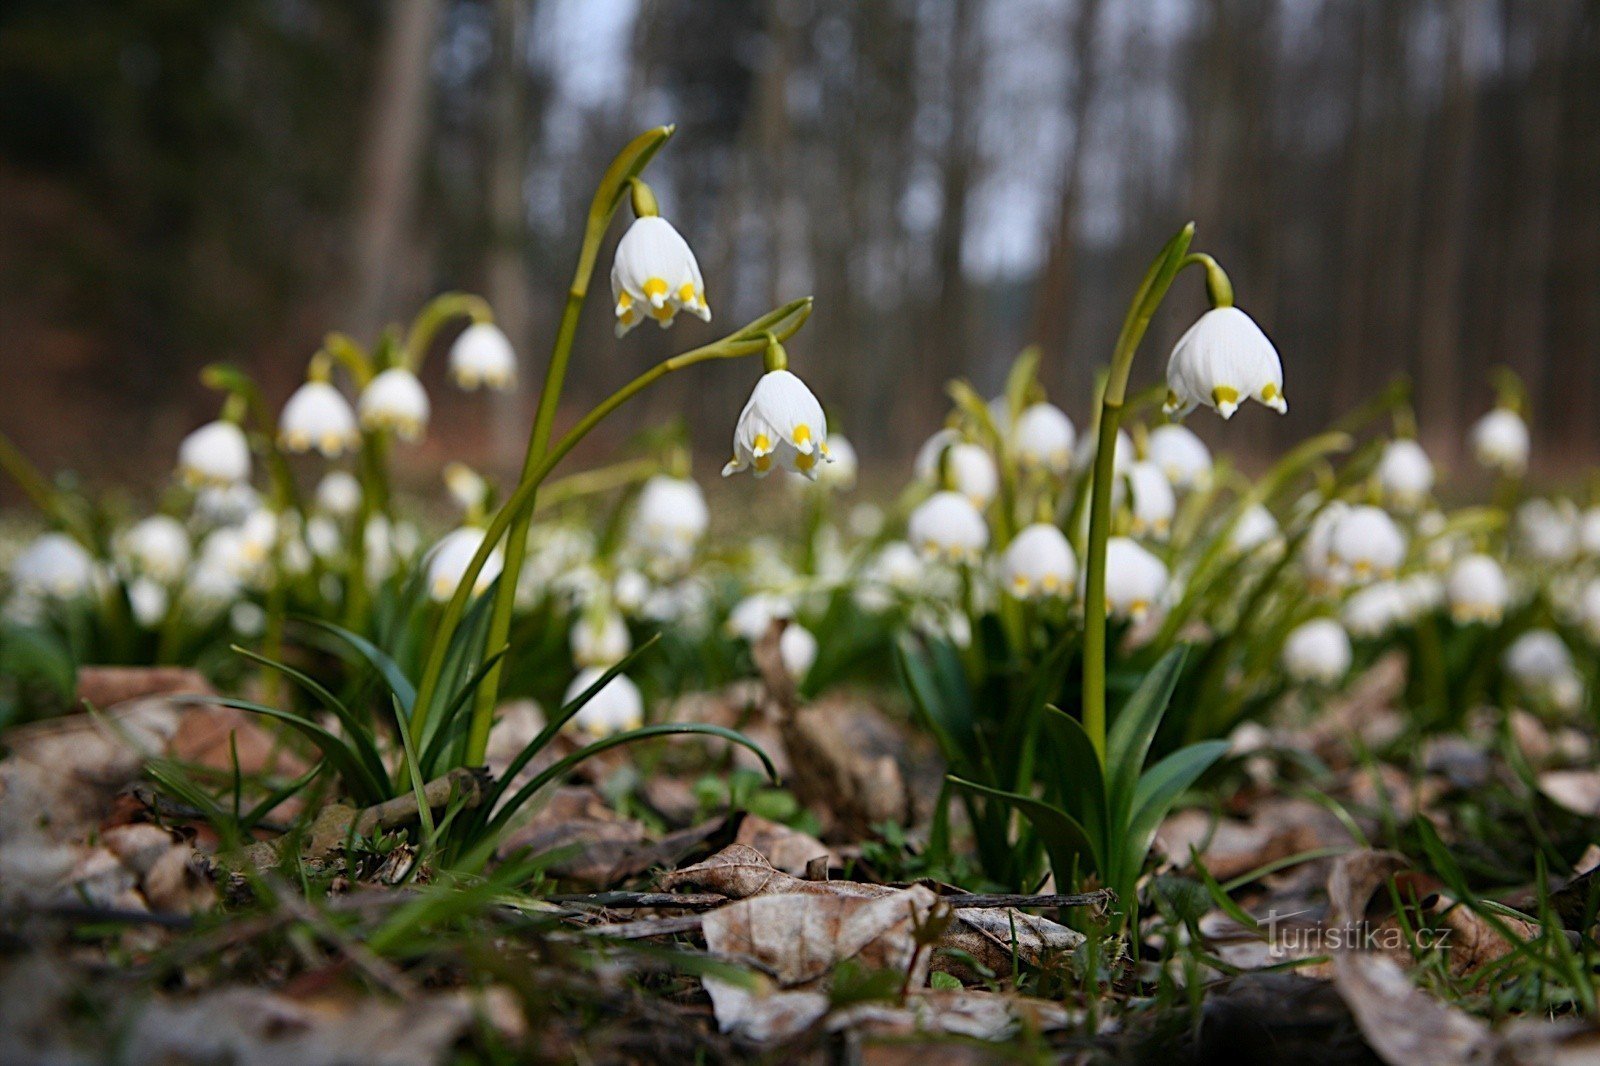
x: 1395, y: 186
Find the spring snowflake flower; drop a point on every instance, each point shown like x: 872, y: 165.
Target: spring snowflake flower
x: 318, y: 416
x: 482, y: 356
x: 339, y: 494
x: 156, y: 547
x: 655, y: 274
x: 616, y: 708
x: 1549, y: 530
x: 1373, y: 611
x: 1477, y: 590
x: 1136, y: 581
x: 1154, y: 504
x: 926, y: 466
x: 972, y: 473
x: 840, y: 473
x: 1500, y: 442
x: 1540, y: 662
x: 600, y: 639
x: 148, y: 599
x: 395, y: 401
x: 54, y: 565
x: 798, y: 650
x: 1405, y: 474
x: 1365, y: 543
x: 752, y: 617
x: 1223, y: 360
x: 782, y: 424
x: 946, y: 526
x: 669, y: 518
x: 1039, y: 563
x: 1181, y: 455
x: 1122, y: 456
x: 896, y: 570
x: 1255, y: 527
x: 1317, y: 652
x: 215, y: 455
x: 448, y: 560
x: 1044, y: 438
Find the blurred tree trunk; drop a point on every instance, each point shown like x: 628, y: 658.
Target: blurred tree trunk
x: 1054, y: 295
x: 397, y: 126
x: 509, y: 286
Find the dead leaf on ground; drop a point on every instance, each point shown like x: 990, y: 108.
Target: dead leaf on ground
x: 1277, y: 829
x: 593, y: 838
x: 1577, y: 791
x: 786, y: 849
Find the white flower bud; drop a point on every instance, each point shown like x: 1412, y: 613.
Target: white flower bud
x: 1374, y: 610
x: 1405, y: 474
x: 482, y: 356
x: 318, y: 416
x: 1221, y: 361
x: 972, y: 473
x: 1039, y: 563
x: 1548, y: 530
x: 798, y: 650
x: 752, y: 617
x: 1500, y: 442
x: 600, y: 639
x: 948, y: 527
x: 1154, y: 503
x: 148, y: 599
x: 1317, y: 652
x: 655, y: 274
x: 1540, y: 662
x: 1365, y: 543
x: 395, y: 401
x: 669, y: 518
x: 1255, y: 527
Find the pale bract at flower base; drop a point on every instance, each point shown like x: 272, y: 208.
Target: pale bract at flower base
x: 655, y: 275
x: 782, y: 426
x: 1223, y: 360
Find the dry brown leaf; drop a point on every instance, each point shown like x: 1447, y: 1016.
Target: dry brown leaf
x: 593, y: 838
x: 1277, y: 829
x: 1575, y: 790
x: 787, y: 849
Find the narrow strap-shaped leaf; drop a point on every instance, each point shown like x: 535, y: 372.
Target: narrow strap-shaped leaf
x: 1065, y: 839
x: 1080, y: 776
x: 560, y: 768
x: 380, y: 661
x: 1160, y: 788
x: 1128, y: 742
x: 443, y: 732
x: 360, y: 734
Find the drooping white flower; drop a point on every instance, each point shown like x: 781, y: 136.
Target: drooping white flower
x: 972, y: 473
x: 782, y: 424
x: 217, y: 454
x: 600, y: 639
x: 1039, y: 563
x: 1044, y: 438
x: 1136, y: 581
x: 482, y: 356
x: 1423, y: 592
x: 798, y: 650
x: 895, y: 570
x: 655, y: 274
x: 1255, y: 527
x: 448, y: 560
x: 1500, y: 442
x: 226, y: 505
x: 1374, y: 610
x: 156, y: 547
x: 148, y: 599
x: 926, y: 466
x: 1365, y: 543
x: 1317, y: 652
x: 1223, y: 360
x: 1154, y: 504
x: 54, y: 565
x: 752, y: 617
x: 1181, y: 455
x: 1477, y: 590
x: 616, y: 708
x: 318, y: 417
x: 396, y: 401
x: 669, y: 518
x: 339, y: 494
x: 946, y: 526
x: 1122, y: 456
x: 1405, y: 474
x: 323, y: 537
x: 1548, y: 530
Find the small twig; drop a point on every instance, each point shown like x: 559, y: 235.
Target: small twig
x: 1099, y: 898
x: 84, y: 912
x: 637, y: 900
x: 648, y: 927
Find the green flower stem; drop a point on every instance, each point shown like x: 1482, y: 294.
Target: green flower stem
x: 594, y: 482
x: 617, y: 181
x: 1151, y: 292
x: 371, y: 470
x: 441, y: 309
x: 748, y: 341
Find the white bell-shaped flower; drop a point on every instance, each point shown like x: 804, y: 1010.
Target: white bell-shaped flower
x: 1136, y: 580
x: 156, y: 547
x: 148, y: 599
x: 1548, y: 530
x: 669, y: 518
x: 1374, y: 610
x: 1538, y: 658
x: 896, y: 570
x: 1223, y: 360
x: 1179, y: 453
x: 946, y: 526
x: 1405, y: 474
x: 215, y: 455
x: 339, y: 494
x: 54, y: 565
x: 616, y: 708
x: 1477, y: 590
x: 972, y: 473
x: 482, y: 356
x: 318, y: 417
x: 1039, y: 563
x: 395, y: 401
x: 752, y: 617
x: 448, y: 560
x: 927, y: 465
x: 600, y: 639
x: 1500, y: 442
x: 1255, y: 527
x: 655, y: 274
x: 798, y: 650
x: 840, y: 473
x: 323, y: 537
x: 1365, y: 543
x: 1317, y: 652
x: 782, y: 425
x: 1154, y: 503
x: 1044, y: 438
